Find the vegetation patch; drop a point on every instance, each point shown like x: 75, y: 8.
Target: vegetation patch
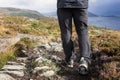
x: 8, y: 55
x: 24, y: 44
x: 43, y: 26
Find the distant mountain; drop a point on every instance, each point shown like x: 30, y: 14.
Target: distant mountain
x: 92, y: 15
x: 110, y: 15
x: 54, y: 14
x: 20, y: 12
x: 51, y: 14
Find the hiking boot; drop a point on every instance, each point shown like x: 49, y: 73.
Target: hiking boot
x: 69, y: 64
x: 83, y: 67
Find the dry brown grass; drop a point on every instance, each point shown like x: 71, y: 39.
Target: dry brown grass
x: 111, y: 71
x: 13, y: 25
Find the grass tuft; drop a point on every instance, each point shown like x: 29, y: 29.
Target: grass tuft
x: 8, y: 55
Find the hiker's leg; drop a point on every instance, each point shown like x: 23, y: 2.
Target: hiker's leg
x: 65, y: 22
x: 80, y: 19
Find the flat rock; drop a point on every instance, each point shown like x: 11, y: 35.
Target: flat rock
x: 16, y: 73
x: 46, y: 46
x: 40, y: 68
x: 55, y: 57
x: 55, y: 46
x: 42, y: 59
x: 48, y: 73
x: 15, y: 63
x: 53, y: 43
x: 13, y: 67
x: 6, y: 77
x: 22, y: 59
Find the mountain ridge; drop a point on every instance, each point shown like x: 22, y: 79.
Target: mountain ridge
x: 20, y: 12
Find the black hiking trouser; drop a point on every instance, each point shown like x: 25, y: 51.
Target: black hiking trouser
x: 80, y: 17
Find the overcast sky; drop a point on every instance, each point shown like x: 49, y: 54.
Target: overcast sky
x: 105, y: 7
x: 39, y: 5
x: 45, y: 6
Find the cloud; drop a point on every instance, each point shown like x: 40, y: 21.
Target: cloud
x: 39, y: 5
x: 106, y: 7
x: 45, y: 6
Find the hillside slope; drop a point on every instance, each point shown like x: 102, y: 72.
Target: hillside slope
x: 105, y: 48
x: 20, y: 12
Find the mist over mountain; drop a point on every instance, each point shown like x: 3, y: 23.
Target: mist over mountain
x: 20, y: 12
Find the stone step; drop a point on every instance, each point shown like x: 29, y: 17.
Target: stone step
x: 15, y: 63
x: 13, y: 67
x: 16, y: 73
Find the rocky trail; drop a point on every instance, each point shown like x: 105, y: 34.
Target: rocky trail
x: 44, y: 63
x: 40, y: 64
x: 5, y: 43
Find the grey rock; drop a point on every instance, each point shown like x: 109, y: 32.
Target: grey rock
x: 40, y: 68
x: 24, y: 51
x: 13, y: 67
x: 6, y: 77
x: 48, y: 73
x: 38, y: 53
x: 5, y: 43
x: 56, y: 46
x: 46, y: 46
x: 22, y: 59
x: 55, y: 58
x: 58, y: 39
x: 41, y: 59
x: 17, y: 73
x: 53, y: 43
x: 98, y: 31
x: 15, y: 63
